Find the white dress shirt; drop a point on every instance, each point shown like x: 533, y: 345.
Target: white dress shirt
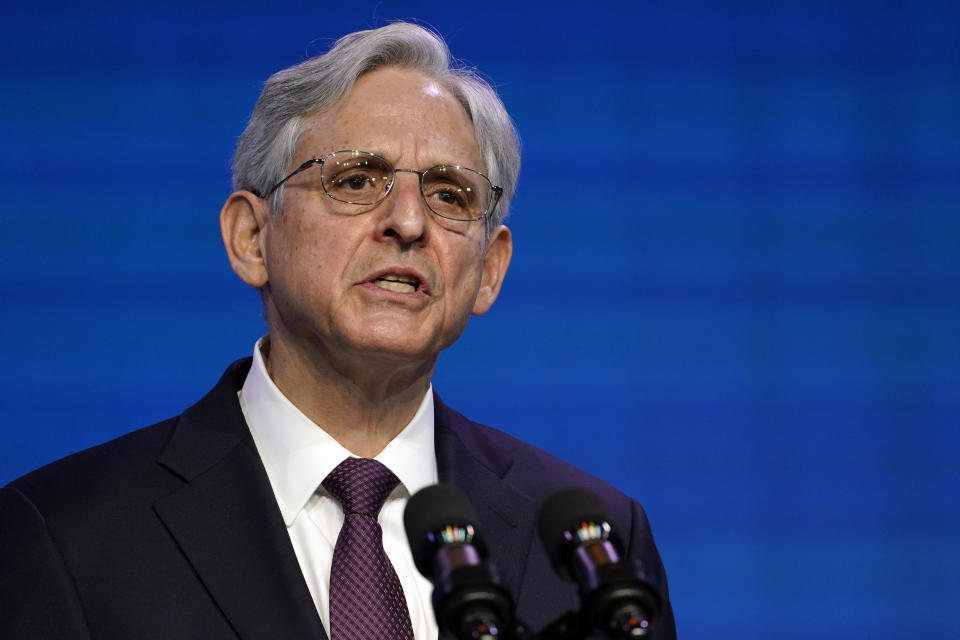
x: 298, y: 455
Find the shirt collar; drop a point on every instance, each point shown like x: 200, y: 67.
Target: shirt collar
x: 298, y: 455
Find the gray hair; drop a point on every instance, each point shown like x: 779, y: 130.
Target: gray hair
x: 267, y: 146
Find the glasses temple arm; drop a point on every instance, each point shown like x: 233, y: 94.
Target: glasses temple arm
x: 303, y: 167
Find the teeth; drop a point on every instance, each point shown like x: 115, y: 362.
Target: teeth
x: 392, y: 277
x: 400, y: 286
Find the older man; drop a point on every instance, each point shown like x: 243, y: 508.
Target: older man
x: 370, y: 185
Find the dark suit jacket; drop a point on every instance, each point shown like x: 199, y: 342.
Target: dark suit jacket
x: 173, y: 531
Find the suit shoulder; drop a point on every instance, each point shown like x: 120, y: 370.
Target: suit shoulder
x: 95, y: 474
x: 548, y: 472
x: 129, y: 468
x: 530, y: 469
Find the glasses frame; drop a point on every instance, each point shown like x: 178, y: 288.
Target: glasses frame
x: 496, y: 192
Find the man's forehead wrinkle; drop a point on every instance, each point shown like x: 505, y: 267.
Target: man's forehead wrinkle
x: 388, y: 141
x: 394, y: 130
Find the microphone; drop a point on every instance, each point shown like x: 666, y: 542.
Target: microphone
x: 617, y: 597
x: 468, y: 599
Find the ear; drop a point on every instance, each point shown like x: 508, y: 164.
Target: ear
x: 495, y: 263
x: 243, y: 222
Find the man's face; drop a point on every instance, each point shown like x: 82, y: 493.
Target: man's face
x: 393, y: 280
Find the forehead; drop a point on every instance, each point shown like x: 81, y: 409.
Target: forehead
x: 400, y: 114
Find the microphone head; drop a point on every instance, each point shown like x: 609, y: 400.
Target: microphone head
x: 618, y: 597
x: 563, y: 513
x: 434, y: 509
x: 468, y: 599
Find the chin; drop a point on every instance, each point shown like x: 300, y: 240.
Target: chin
x: 407, y: 338
x: 393, y: 347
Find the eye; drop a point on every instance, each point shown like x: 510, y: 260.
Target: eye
x: 356, y: 182
x: 450, y: 195
x: 443, y: 190
x: 359, y: 184
x: 354, y: 178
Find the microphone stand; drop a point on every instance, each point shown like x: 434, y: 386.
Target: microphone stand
x: 569, y: 626
x: 574, y: 625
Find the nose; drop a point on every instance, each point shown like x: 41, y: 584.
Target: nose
x: 405, y: 215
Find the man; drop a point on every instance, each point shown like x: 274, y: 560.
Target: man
x: 369, y: 188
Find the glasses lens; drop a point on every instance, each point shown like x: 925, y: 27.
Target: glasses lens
x: 356, y: 177
x: 456, y: 192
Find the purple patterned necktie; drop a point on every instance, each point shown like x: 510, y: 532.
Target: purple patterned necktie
x: 366, y: 599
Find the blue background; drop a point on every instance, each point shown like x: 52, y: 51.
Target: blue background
x: 749, y: 320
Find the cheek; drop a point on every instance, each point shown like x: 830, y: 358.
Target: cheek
x: 465, y: 275
x: 294, y: 255
x: 304, y: 243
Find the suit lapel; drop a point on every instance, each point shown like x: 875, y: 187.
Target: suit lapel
x: 226, y: 521
x: 506, y: 516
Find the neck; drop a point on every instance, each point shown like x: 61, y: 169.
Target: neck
x: 362, y: 405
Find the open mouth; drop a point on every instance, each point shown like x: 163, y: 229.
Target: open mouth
x: 398, y: 283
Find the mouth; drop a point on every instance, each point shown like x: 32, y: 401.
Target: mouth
x: 398, y: 282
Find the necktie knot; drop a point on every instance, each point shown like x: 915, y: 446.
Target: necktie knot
x: 361, y: 485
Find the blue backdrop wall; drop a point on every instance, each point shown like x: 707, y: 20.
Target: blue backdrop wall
x: 748, y: 320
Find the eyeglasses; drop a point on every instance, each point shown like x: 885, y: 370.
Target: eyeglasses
x: 363, y: 178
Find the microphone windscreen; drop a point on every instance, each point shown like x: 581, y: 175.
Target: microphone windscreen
x: 564, y: 511
x: 430, y: 510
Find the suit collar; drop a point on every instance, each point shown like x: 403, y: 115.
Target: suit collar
x: 207, y: 432
x: 226, y: 521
